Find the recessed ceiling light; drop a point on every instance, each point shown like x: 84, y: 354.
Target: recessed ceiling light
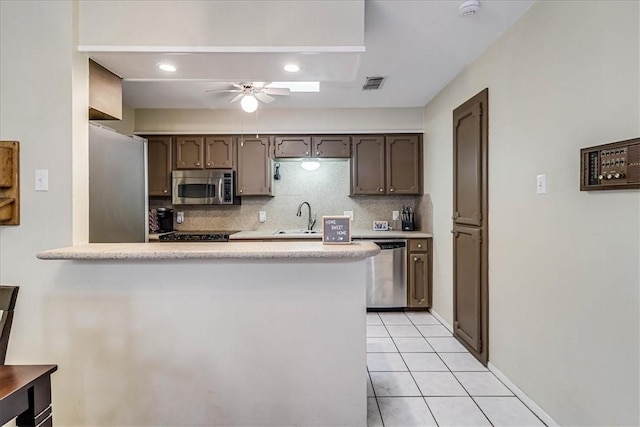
x: 167, y: 67
x: 291, y: 68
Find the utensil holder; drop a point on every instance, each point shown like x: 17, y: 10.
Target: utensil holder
x: 407, y: 226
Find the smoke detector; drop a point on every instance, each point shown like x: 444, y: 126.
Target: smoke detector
x: 469, y: 7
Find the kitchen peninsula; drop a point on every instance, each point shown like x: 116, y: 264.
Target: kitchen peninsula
x: 255, y: 333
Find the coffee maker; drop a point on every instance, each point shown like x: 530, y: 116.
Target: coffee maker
x: 161, y: 220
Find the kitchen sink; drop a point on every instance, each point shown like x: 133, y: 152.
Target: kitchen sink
x: 298, y: 232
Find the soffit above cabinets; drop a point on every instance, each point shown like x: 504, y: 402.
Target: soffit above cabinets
x: 418, y: 46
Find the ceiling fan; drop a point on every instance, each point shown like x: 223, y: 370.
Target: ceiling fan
x: 250, y: 93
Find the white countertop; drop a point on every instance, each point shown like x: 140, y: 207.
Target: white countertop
x: 211, y: 250
x: 355, y: 234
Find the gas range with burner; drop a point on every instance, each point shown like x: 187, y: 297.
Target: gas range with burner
x: 196, y: 236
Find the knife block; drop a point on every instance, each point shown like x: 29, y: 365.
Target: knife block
x: 9, y: 183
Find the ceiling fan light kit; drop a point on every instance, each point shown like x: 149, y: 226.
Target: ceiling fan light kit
x: 249, y: 103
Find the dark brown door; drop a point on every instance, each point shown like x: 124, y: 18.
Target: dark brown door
x: 254, y: 167
x: 331, y: 146
x: 159, y: 165
x: 470, y: 225
x: 367, y: 165
x: 189, y: 152
x: 218, y: 152
x: 403, y: 164
x: 292, y: 146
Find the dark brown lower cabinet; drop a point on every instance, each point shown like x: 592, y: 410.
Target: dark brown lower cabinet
x: 419, y: 273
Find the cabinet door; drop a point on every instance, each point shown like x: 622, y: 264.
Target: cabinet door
x: 367, y: 165
x: 467, y: 286
x: 403, y: 164
x: 218, y: 152
x: 419, y: 280
x: 189, y: 152
x: 292, y: 146
x: 254, y: 167
x: 331, y: 146
x: 159, y: 165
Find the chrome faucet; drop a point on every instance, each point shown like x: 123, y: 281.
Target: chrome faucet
x: 310, y: 222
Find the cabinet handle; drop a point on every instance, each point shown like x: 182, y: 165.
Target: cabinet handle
x: 306, y: 153
x: 241, y: 190
x: 391, y: 190
x: 419, y: 246
x: 317, y: 153
x: 415, y: 259
x: 197, y: 163
x: 165, y: 191
x: 209, y: 164
x: 380, y: 189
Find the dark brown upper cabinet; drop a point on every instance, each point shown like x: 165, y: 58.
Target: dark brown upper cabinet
x: 403, y: 160
x: 367, y: 165
x: 159, y: 165
x: 198, y: 152
x: 386, y: 165
x: 189, y: 152
x: 254, y: 177
x: 292, y: 146
x: 319, y: 146
x: 331, y: 146
x: 218, y: 152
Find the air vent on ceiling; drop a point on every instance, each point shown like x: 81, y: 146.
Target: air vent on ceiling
x: 373, y: 83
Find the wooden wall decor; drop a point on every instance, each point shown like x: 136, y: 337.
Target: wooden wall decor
x: 9, y: 183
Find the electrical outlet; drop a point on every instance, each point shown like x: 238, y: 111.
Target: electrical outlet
x: 348, y: 213
x: 395, y: 215
x: 262, y: 216
x: 180, y: 217
x: 541, y: 184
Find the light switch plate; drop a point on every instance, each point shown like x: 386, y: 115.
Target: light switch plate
x: 262, y: 216
x: 42, y: 179
x: 395, y: 215
x: 180, y: 217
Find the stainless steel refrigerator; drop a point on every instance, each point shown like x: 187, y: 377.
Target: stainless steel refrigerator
x: 118, y: 205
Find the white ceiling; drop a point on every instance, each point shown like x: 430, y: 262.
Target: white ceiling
x: 419, y: 46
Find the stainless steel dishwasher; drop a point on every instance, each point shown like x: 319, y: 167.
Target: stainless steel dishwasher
x: 387, y: 275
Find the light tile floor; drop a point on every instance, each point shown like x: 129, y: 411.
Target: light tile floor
x: 419, y: 375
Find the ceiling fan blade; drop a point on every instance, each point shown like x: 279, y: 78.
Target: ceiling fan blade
x: 260, y: 84
x: 238, y: 85
x: 264, y: 97
x: 224, y: 90
x: 237, y: 97
x: 280, y: 91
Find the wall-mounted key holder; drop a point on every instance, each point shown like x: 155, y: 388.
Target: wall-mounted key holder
x: 614, y: 166
x: 9, y: 183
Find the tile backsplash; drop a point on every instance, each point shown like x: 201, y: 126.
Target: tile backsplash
x: 326, y: 189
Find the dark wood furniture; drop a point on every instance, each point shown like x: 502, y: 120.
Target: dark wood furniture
x: 386, y: 164
x: 8, y: 297
x: 25, y: 393
x: 254, y: 175
x: 159, y: 165
x: 419, y: 273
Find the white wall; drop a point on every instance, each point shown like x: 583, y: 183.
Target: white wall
x: 270, y: 120
x: 564, y: 273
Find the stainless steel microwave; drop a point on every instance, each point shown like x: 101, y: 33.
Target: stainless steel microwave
x: 203, y: 187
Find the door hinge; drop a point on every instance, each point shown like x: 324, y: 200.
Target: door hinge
x: 480, y: 236
x: 479, y: 346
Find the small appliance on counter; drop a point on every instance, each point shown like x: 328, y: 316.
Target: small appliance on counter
x: 197, y: 236
x: 164, y: 220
